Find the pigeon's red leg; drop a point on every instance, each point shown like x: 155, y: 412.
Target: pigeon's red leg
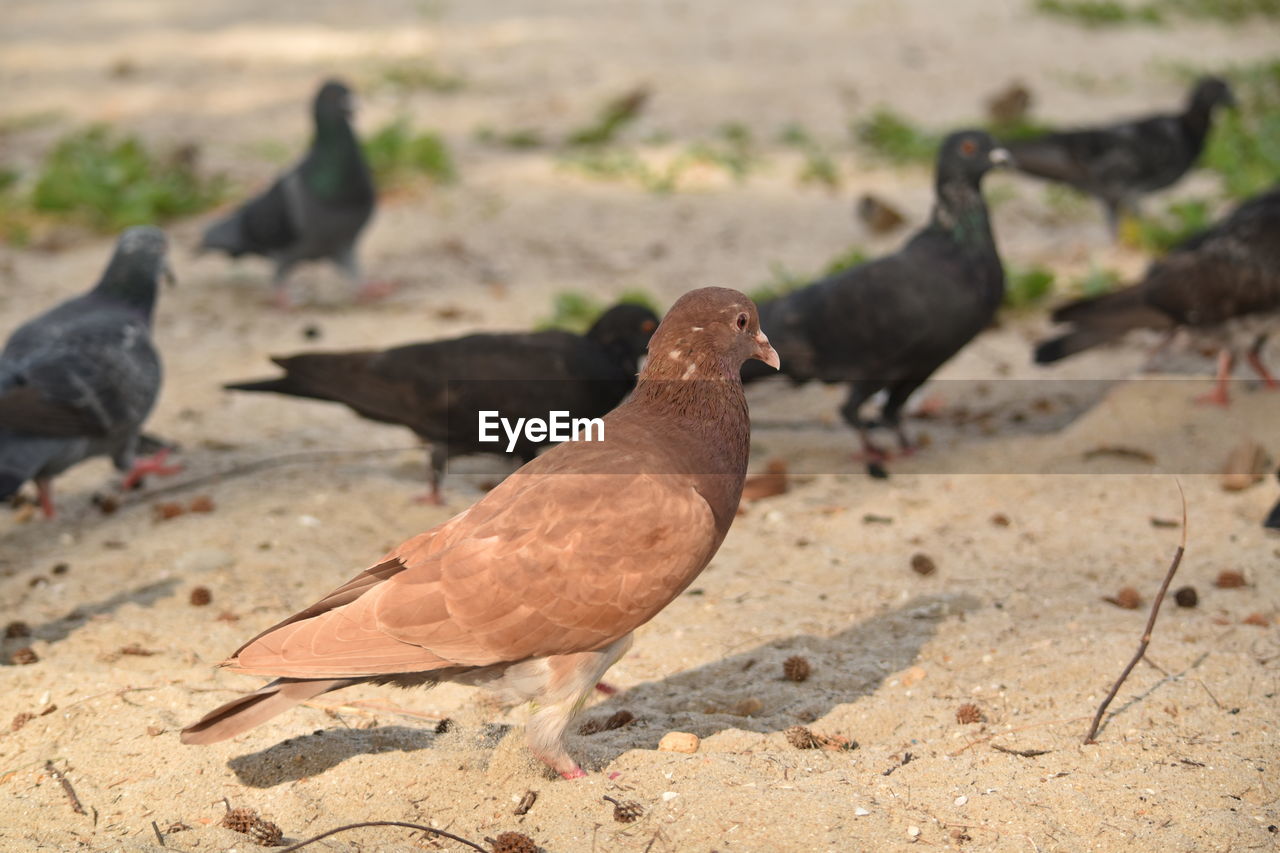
x: 431, y: 498
x: 575, y: 773
x: 1218, y: 396
x: 44, y: 493
x: 375, y: 291
x: 150, y: 465
x: 1255, y: 361
x: 606, y: 688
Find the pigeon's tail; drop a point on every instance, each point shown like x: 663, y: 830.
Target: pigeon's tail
x: 246, y: 712
x: 336, y: 377
x: 226, y: 235
x: 1056, y: 349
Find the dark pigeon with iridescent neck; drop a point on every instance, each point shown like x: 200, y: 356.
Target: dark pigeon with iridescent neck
x: 535, y: 590
x: 1119, y: 163
x: 80, y: 380
x: 888, y: 324
x: 317, y: 210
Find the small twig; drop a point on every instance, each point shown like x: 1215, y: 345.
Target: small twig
x: 1151, y: 623
x: 1024, y: 753
x: 159, y: 836
x: 66, y: 787
x: 418, y: 826
x: 526, y: 803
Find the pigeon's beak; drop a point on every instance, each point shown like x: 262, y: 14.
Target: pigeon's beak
x: 1001, y: 157
x: 765, y: 352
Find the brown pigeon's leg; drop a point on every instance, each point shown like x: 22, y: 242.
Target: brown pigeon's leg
x: 150, y: 465
x: 566, y: 682
x: 606, y: 688
x: 1218, y: 396
x: 44, y: 493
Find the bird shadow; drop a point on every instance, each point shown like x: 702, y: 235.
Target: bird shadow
x: 722, y: 695
x: 57, y: 630
x: 846, y: 666
x: 323, y: 749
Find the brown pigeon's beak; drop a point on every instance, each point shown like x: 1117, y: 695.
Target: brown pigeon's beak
x: 765, y: 352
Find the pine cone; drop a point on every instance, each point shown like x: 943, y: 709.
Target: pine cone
x: 246, y: 821
x: 626, y: 811
x: 513, y: 842
x: 796, y: 668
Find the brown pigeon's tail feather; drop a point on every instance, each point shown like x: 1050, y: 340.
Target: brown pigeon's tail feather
x: 245, y: 712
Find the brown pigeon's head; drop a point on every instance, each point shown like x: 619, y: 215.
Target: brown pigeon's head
x: 334, y: 102
x: 708, y: 334
x: 967, y: 155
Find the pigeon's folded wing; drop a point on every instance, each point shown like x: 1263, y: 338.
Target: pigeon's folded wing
x: 548, y: 563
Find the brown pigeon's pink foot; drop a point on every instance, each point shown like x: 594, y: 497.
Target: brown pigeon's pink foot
x: 44, y: 493
x: 575, y: 773
x: 375, y: 291
x: 606, y: 688
x: 150, y: 465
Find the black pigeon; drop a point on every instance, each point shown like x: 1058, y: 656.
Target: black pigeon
x: 315, y: 211
x: 79, y: 380
x: 1272, y: 521
x: 890, y: 323
x: 1121, y: 162
x: 1222, y: 285
x: 438, y: 389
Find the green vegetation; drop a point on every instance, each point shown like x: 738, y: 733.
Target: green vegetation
x: 784, y: 281
x: 1097, y: 281
x: 396, y: 154
x: 894, y: 139
x: 520, y: 139
x: 733, y: 150
x: 1161, y: 233
x: 109, y: 181
x: 1244, y: 147
x: 420, y: 76
x: 1024, y: 287
x: 819, y: 166
x: 574, y: 311
x: 611, y: 119
x: 1109, y: 13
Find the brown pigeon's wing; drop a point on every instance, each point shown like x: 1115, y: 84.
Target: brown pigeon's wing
x: 545, y: 564
x: 26, y: 409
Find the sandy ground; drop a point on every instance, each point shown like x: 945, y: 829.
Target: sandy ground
x: 1013, y: 620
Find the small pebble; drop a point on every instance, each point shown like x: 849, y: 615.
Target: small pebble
x: 1000, y: 520
x: 923, y: 565
x: 1127, y: 598
x: 1187, y: 597
x: 861, y: 812
x: 961, y: 800
x: 913, y: 831
x: 668, y: 796
x: 1229, y: 579
x: 679, y: 742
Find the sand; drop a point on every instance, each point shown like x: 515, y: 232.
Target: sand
x: 1028, y: 531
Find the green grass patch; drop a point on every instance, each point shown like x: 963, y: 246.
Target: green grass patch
x: 893, y: 138
x: 1097, y: 281
x: 398, y: 154
x: 575, y: 311
x: 1102, y: 13
x: 110, y: 181
x: 1161, y: 233
x: 611, y: 119
x: 1027, y: 286
x: 818, y: 167
x: 519, y: 139
x: 420, y: 76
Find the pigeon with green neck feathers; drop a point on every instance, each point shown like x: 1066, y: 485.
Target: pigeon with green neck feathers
x: 315, y: 211
x: 888, y: 324
x: 79, y: 380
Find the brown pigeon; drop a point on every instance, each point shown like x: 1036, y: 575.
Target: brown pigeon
x: 536, y: 589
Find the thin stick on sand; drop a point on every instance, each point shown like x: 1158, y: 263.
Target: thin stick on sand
x: 1151, y: 623
x: 66, y: 787
x: 338, y: 829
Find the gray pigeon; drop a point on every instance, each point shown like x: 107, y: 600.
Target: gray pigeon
x: 79, y: 380
x: 316, y: 210
x: 1119, y: 163
x: 888, y: 324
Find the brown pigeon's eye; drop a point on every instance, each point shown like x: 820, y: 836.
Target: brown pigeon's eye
x: 968, y: 148
x: 742, y: 322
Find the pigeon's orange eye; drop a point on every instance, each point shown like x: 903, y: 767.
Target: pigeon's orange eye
x: 968, y: 148
x: 742, y: 322
x: 648, y: 326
